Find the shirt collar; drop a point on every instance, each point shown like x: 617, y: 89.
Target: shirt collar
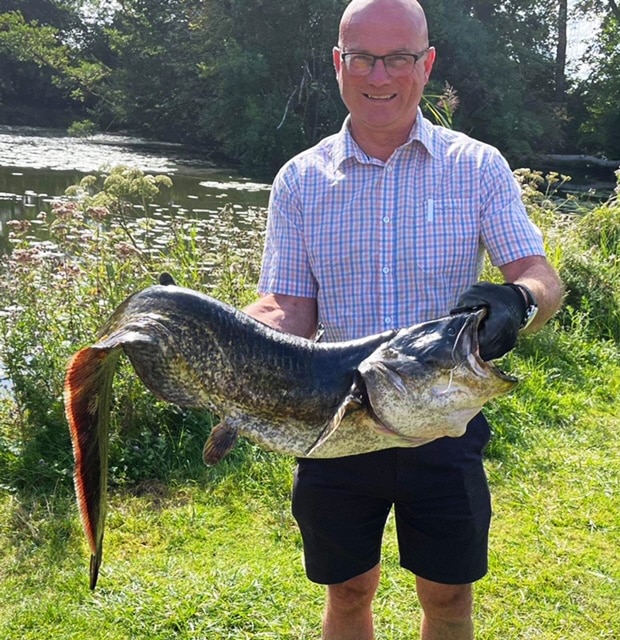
x: 424, y: 133
x: 346, y: 147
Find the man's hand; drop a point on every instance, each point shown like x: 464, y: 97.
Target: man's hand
x: 506, y: 307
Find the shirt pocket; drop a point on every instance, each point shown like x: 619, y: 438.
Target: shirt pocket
x: 445, y: 236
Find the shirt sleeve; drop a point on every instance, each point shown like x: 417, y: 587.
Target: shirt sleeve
x: 507, y: 232
x: 285, y: 267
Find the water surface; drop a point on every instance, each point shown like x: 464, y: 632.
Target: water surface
x: 37, y: 165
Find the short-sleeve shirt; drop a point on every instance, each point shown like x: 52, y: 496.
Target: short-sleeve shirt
x: 383, y: 245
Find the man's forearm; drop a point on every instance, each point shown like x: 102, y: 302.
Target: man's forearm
x: 541, y: 279
x: 290, y: 314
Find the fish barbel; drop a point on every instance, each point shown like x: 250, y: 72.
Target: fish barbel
x: 292, y: 395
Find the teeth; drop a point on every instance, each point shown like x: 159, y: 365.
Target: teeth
x: 368, y: 95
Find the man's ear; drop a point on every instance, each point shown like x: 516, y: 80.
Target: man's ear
x: 429, y: 60
x: 336, y: 59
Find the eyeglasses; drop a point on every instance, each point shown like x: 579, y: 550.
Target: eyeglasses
x: 396, y: 64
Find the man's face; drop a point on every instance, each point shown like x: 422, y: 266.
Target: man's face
x: 379, y: 103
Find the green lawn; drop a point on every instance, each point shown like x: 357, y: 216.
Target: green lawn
x: 220, y: 557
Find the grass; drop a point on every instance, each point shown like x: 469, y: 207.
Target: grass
x: 213, y: 553
x: 220, y: 558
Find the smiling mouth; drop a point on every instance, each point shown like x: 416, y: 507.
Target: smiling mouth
x: 382, y: 97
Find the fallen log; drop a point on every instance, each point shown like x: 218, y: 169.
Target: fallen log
x: 579, y: 160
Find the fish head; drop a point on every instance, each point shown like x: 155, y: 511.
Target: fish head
x: 433, y: 371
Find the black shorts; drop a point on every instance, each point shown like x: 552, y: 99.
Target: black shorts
x: 441, y: 504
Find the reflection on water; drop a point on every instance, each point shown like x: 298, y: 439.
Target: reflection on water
x: 37, y: 165
x: 53, y: 149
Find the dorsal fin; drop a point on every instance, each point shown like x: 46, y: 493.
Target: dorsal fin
x: 166, y: 279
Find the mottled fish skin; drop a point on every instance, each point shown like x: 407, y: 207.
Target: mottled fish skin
x: 295, y: 396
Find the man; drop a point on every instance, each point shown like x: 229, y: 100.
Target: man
x: 381, y: 226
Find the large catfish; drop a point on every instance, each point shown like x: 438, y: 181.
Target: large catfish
x: 300, y: 397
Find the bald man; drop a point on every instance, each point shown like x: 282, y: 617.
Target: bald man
x: 381, y: 226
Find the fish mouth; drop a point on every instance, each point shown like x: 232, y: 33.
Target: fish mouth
x: 467, y: 340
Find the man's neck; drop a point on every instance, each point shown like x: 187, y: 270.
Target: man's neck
x: 378, y: 144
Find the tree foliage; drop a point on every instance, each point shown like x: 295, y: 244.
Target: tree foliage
x: 253, y: 79
x: 599, y: 130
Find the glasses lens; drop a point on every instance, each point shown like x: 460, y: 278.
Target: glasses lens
x: 361, y: 64
x: 358, y: 64
x: 399, y: 65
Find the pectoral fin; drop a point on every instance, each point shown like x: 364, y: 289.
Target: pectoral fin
x: 221, y: 440
x: 352, y: 402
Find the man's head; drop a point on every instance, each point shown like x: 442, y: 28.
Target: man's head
x: 383, y: 102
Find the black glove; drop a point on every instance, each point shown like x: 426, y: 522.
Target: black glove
x: 506, y: 308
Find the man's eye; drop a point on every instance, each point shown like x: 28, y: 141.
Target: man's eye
x: 399, y: 60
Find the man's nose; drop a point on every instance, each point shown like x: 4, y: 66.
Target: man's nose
x: 378, y: 74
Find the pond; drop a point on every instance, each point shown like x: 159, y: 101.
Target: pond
x: 37, y: 165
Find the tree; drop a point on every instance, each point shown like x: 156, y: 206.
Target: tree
x: 273, y: 79
x: 599, y: 93
x: 42, y: 57
x: 560, y: 58
x: 498, y: 58
x: 254, y: 80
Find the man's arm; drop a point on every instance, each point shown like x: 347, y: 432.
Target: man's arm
x: 535, y: 273
x: 291, y: 314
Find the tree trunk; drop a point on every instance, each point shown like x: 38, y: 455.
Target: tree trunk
x: 560, y: 58
x: 615, y: 9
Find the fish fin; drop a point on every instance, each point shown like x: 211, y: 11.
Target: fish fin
x: 350, y: 403
x: 221, y: 440
x: 166, y: 279
x: 95, y: 563
x: 87, y: 393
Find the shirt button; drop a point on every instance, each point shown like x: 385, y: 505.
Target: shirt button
x: 386, y: 269
x: 386, y: 219
x: 387, y: 320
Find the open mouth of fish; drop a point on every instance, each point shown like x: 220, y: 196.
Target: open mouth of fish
x: 469, y: 334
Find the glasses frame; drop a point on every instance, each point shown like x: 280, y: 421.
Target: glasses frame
x: 416, y: 57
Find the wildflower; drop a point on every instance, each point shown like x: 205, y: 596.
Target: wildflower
x: 98, y: 213
x: 19, y: 226
x: 66, y: 210
x: 126, y: 250
x: 449, y: 100
x: 30, y: 256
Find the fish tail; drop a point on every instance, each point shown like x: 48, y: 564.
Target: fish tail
x: 87, y: 393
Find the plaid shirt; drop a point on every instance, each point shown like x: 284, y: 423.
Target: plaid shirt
x: 383, y: 245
